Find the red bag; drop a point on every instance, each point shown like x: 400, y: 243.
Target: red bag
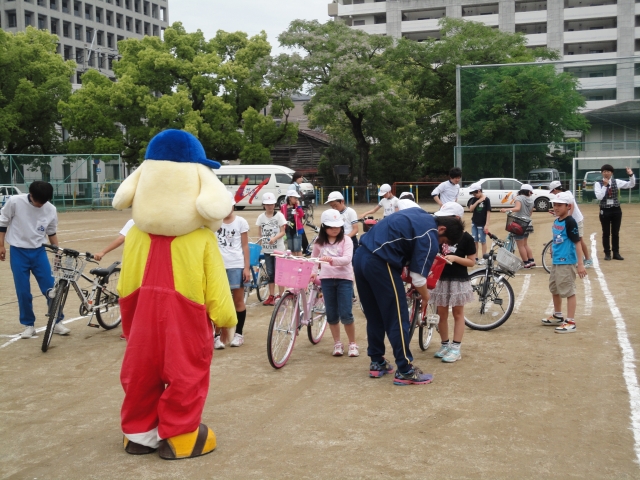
x: 434, y: 274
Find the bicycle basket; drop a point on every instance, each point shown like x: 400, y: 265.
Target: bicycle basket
x: 293, y: 273
x: 508, y: 261
x: 436, y: 270
x: 65, y: 267
x: 254, y: 254
x: 516, y: 225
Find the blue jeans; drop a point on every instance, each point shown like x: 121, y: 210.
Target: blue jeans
x: 25, y: 261
x: 294, y: 243
x: 478, y: 234
x: 338, y: 301
x: 270, y: 265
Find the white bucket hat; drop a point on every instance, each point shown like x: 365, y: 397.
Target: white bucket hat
x: 268, y: 199
x: 384, y: 188
x: 333, y: 196
x: 293, y: 193
x: 331, y: 218
x: 555, y: 184
x: 526, y: 186
x: 406, y: 194
x: 563, y: 197
x: 474, y: 187
x: 450, y: 209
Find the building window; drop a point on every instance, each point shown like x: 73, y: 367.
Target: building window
x: 42, y: 3
x: 53, y: 5
x: 67, y: 53
x: 87, y: 12
x: 156, y: 31
x: 110, y: 40
x: 163, y: 14
x: 78, y: 32
x: 65, y: 6
x: 154, y: 10
x: 147, y: 28
x: 66, y: 29
x: 99, y: 37
x: 79, y: 77
x: 128, y: 22
x: 136, y: 6
x: 358, y: 23
x: 42, y: 22
x: 138, y: 27
x: 55, y: 26
x: 77, y: 6
x: 127, y: 4
x: 79, y: 56
x: 99, y: 15
x: 12, y: 20
x: 28, y: 19
x: 145, y: 8
x: 89, y: 35
x: 118, y: 20
x: 109, y: 18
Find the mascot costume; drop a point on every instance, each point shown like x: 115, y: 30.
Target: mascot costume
x: 172, y: 287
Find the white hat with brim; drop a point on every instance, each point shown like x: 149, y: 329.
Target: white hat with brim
x: 555, y: 184
x: 334, y: 196
x: 384, y: 189
x: 293, y: 193
x: 450, y: 209
x: 331, y: 218
x: 405, y: 194
x: 474, y: 187
x: 526, y: 186
x: 563, y: 197
x: 406, y: 203
x: 268, y: 199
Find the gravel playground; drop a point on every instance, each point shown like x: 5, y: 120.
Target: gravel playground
x: 522, y: 403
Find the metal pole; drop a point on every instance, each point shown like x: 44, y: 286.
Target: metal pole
x: 458, y: 159
x: 514, y: 160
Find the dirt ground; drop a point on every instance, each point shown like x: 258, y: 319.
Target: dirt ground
x: 522, y: 403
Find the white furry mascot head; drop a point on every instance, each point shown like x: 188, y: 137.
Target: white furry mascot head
x: 174, y: 191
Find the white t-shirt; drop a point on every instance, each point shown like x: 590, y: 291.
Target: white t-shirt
x: 127, y: 227
x: 270, y: 228
x: 230, y: 242
x: 575, y: 212
x: 350, y: 218
x: 447, y: 191
x: 28, y: 226
x: 389, y: 205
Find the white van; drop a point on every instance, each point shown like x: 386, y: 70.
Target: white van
x: 249, y: 182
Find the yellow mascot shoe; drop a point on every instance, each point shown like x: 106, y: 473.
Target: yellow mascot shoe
x: 189, y: 445
x: 134, y: 448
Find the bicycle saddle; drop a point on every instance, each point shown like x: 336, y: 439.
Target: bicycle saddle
x: 103, y: 272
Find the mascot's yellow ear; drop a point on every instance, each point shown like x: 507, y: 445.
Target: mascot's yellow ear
x: 213, y: 202
x: 127, y: 189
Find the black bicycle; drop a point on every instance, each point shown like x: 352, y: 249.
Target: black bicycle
x: 102, y: 301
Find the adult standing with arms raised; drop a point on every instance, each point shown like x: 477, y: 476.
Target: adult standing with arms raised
x: 610, y: 212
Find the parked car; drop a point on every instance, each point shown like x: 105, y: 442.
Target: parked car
x: 7, y: 191
x: 255, y: 180
x: 542, y: 177
x: 502, y: 193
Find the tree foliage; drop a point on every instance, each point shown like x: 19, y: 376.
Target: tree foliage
x: 214, y: 89
x: 33, y: 79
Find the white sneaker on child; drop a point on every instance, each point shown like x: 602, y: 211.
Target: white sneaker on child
x: 60, y: 329
x: 353, y: 350
x: 218, y: 345
x: 338, y: 349
x: 29, y: 332
x: 237, y: 341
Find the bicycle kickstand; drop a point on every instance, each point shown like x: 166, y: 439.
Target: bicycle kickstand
x: 94, y: 325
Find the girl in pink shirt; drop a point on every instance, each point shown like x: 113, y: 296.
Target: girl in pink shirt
x: 336, y: 277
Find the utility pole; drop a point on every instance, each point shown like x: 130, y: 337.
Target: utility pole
x: 458, y: 159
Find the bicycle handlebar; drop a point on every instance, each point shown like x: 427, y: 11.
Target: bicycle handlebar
x: 68, y: 251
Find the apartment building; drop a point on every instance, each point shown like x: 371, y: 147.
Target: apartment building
x: 580, y: 29
x: 89, y: 31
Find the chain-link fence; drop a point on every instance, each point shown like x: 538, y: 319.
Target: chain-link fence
x: 79, y: 181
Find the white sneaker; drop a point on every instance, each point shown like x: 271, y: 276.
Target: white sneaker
x: 237, y: 340
x: 218, y: 345
x: 481, y: 261
x: 353, y: 350
x: 338, y: 349
x: 60, y: 329
x: 29, y: 332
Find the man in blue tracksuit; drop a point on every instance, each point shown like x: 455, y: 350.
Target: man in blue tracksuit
x: 27, y: 221
x: 408, y: 237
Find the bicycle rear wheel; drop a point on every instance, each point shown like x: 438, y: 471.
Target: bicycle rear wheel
x: 263, y: 283
x: 495, y: 300
x: 414, y: 304
x: 55, y: 310
x: 283, y: 329
x: 547, y: 257
x: 318, y: 323
x: 108, y: 316
x: 427, y: 326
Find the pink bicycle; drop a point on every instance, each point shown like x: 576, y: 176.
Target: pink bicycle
x: 302, y: 304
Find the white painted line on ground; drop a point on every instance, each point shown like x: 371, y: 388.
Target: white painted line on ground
x: 550, y: 308
x: 588, y: 300
x: 38, y: 330
x: 628, y: 355
x: 88, y: 238
x: 523, y: 293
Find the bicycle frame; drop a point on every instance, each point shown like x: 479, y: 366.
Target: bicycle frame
x: 307, y: 303
x: 87, y: 306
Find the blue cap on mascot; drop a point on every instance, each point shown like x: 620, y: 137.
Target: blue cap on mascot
x: 178, y: 146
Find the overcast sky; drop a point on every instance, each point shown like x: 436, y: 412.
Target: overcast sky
x: 251, y: 16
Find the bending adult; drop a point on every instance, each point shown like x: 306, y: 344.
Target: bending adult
x: 408, y: 237
x: 610, y: 212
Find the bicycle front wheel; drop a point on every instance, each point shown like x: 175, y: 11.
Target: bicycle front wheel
x: 263, y: 283
x: 427, y: 326
x: 547, y: 257
x: 318, y: 323
x: 55, y: 310
x: 414, y: 312
x: 108, y: 313
x: 283, y: 329
x: 494, y: 301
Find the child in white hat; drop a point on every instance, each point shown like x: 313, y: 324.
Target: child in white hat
x: 388, y: 202
x: 271, y: 226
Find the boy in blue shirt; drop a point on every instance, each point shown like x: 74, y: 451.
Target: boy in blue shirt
x: 566, y: 252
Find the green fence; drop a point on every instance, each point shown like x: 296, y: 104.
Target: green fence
x: 515, y: 161
x: 79, y: 181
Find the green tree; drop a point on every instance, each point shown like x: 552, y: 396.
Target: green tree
x: 214, y: 89
x: 348, y: 76
x: 499, y: 105
x: 33, y: 79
